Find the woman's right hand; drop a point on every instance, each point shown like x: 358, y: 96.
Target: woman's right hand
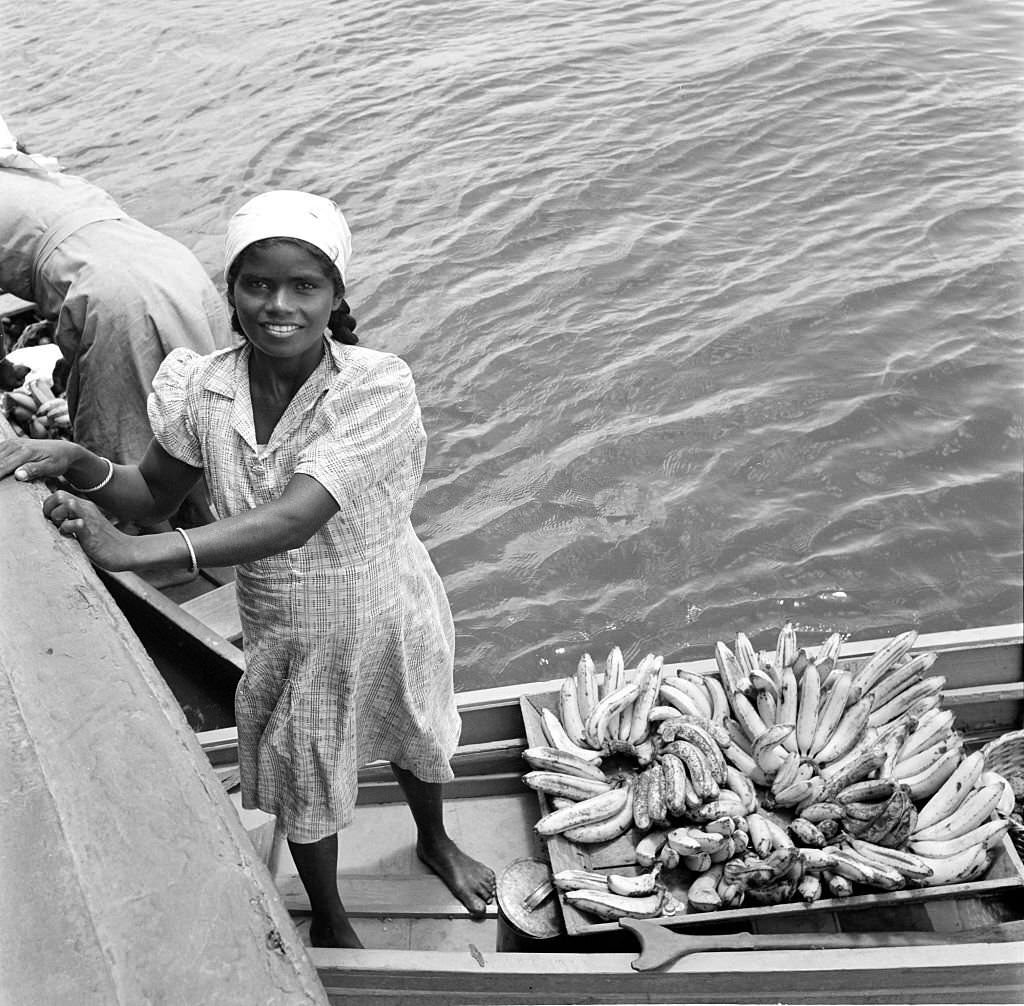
x: 31, y: 459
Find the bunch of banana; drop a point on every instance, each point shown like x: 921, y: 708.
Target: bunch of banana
x: 866, y: 768
x: 958, y: 828
x: 21, y: 407
x: 615, y: 896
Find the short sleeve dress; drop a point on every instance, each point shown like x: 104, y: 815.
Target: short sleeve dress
x: 348, y: 640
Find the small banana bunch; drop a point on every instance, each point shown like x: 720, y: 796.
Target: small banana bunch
x: 615, y: 896
x: 28, y: 410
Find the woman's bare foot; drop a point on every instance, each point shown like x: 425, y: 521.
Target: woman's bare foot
x: 470, y: 881
x: 341, y: 935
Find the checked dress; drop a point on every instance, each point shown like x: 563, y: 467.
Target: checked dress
x: 348, y: 640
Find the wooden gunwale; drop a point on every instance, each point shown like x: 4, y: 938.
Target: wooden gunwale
x: 975, y: 973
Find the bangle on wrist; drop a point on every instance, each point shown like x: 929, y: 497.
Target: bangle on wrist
x: 193, y: 564
x: 99, y: 485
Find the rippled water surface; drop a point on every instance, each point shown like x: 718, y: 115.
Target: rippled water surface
x: 714, y: 308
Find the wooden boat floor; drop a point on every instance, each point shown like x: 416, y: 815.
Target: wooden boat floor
x: 396, y: 902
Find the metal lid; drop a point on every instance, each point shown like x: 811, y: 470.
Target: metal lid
x: 528, y: 899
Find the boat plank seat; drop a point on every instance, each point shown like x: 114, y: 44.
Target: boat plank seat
x: 217, y: 609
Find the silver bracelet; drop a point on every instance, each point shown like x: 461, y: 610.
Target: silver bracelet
x: 99, y: 485
x: 194, y: 569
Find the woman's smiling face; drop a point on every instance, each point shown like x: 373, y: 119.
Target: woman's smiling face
x: 283, y: 296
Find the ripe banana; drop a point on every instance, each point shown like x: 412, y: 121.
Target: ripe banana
x: 641, y: 802
x: 596, y: 724
x: 691, y: 841
x: 552, y: 759
x: 807, y: 711
x: 648, y: 847
x: 852, y: 770
x: 573, y: 787
x: 892, y: 743
x: 928, y: 781
x: 866, y: 791
x: 680, y: 700
x: 614, y: 678
x: 809, y: 889
x: 817, y: 860
x: 634, y: 887
x: 587, y: 690
x: 674, y: 784
x: 719, y: 700
x: 989, y: 834
x: 766, y: 705
x: 785, y: 647
x: 788, y: 704
x: 806, y: 833
x: 706, y: 744
x: 762, y: 681
x: 557, y: 737
x: 585, y: 812
x: 930, y: 729
x: 800, y: 792
x: 916, y: 764
x: 838, y: 886
x: 569, y: 711
x: 695, y: 693
x: 724, y: 804
x: 698, y: 770
x: 1008, y: 800
x: 767, y: 752
x: 703, y: 895
x: 606, y: 830
x: 778, y: 835
x: 832, y: 710
x: 851, y: 865
x: 952, y: 793
x: 656, y: 795
x: 848, y: 733
x: 926, y: 688
x: 788, y: 772
x: 744, y: 761
x: 976, y: 808
x: 827, y: 656
x: 816, y: 813
x: 746, y: 656
x: 751, y: 725
x: 644, y: 702
x: 667, y: 731
x: 902, y: 677
x: 761, y: 837
x: 611, y: 907
x: 742, y: 786
x: 579, y: 880
x: 883, y: 659
x: 960, y: 868
x: 912, y: 866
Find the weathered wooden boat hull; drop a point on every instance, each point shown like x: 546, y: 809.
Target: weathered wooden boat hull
x: 127, y: 877
x: 966, y: 973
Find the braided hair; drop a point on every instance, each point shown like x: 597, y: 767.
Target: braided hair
x: 341, y: 323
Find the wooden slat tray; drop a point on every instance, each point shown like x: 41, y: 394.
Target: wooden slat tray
x: 1007, y: 870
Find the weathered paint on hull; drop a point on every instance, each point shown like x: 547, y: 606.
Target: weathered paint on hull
x: 126, y: 875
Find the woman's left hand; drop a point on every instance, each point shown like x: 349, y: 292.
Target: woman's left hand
x: 81, y: 519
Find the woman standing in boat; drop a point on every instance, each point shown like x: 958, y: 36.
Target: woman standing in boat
x: 313, y: 450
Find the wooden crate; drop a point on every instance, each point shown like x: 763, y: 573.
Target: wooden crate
x: 1007, y: 870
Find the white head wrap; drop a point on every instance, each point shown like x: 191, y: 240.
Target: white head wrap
x: 286, y: 213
